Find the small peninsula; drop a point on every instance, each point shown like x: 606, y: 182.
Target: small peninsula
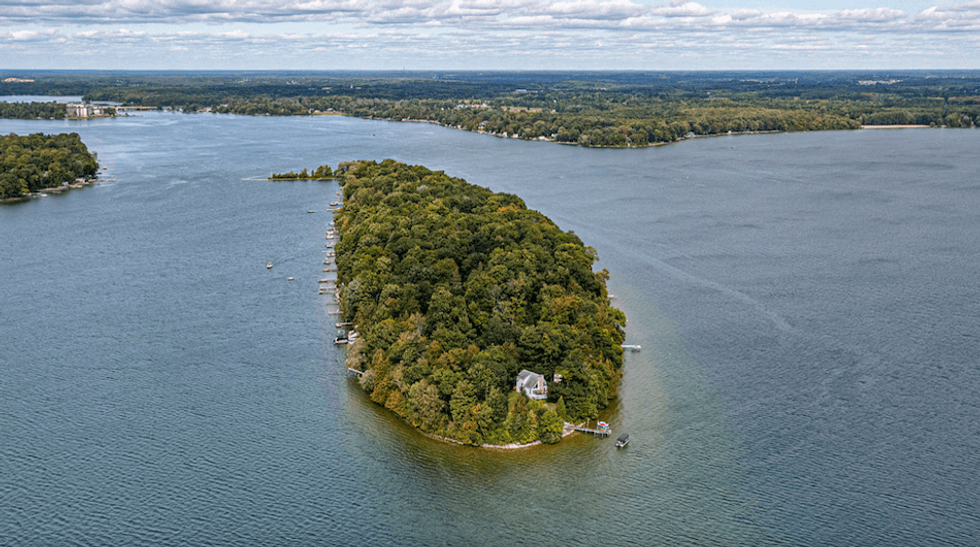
x: 458, y: 295
x: 37, y: 163
x: 324, y: 172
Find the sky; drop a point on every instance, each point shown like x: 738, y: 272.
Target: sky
x: 489, y: 34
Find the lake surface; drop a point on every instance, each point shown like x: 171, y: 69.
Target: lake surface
x: 807, y: 304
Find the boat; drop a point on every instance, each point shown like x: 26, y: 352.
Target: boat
x: 623, y: 440
x: 632, y: 347
x: 268, y: 266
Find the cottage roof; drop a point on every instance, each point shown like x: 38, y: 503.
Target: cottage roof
x: 526, y: 375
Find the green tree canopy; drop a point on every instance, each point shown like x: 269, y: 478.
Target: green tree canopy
x: 32, y: 162
x: 455, y: 289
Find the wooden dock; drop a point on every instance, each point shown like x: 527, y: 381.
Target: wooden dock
x: 598, y: 432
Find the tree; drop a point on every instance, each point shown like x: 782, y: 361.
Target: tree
x: 550, y: 427
x: 427, y: 407
x: 462, y: 401
x: 561, y: 410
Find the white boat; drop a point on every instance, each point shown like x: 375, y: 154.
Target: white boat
x: 623, y: 440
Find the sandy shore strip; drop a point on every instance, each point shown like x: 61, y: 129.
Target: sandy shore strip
x: 566, y: 431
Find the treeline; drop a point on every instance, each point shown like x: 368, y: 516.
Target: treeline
x: 612, y: 120
x: 33, y: 162
x: 586, y: 121
x: 454, y: 290
x: 588, y: 109
x: 32, y: 111
x: 320, y: 173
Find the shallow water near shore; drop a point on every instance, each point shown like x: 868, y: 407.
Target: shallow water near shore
x: 807, y: 306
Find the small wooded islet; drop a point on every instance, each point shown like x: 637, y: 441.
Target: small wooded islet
x: 455, y: 289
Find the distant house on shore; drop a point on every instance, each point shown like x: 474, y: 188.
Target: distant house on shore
x: 532, y: 384
x: 85, y: 110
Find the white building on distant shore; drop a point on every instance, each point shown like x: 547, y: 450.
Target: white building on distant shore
x: 85, y: 110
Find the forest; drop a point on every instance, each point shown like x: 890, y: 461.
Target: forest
x: 33, y: 162
x: 453, y: 290
x: 31, y: 111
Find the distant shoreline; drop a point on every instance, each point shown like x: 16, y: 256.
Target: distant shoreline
x: 896, y: 127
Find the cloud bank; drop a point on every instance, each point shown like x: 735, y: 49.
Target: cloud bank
x: 616, y: 34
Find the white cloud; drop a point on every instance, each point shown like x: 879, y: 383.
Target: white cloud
x: 235, y: 34
x: 958, y: 18
x: 28, y: 35
x: 593, y: 9
x: 681, y: 8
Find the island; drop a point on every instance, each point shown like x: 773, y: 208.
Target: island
x: 472, y: 317
x: 37, y: 163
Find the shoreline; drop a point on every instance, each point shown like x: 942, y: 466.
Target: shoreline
x: 897, y: 127
x: 45, y: 192
x: 567, y: 430
x: 628, y: 146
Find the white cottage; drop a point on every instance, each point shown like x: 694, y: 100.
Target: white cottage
x: 532, y: 384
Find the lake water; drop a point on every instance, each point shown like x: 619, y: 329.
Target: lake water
x: 807, y: 304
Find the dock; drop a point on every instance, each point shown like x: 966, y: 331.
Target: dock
x: 601, y: 431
